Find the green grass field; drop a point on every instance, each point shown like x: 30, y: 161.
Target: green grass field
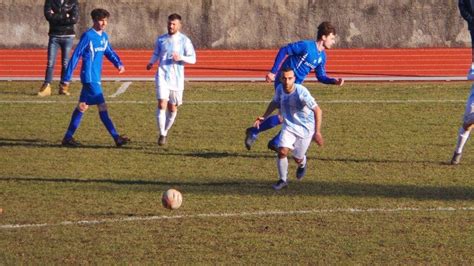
x: 380, y: 191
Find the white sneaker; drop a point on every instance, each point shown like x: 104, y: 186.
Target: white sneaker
x: 470, y: 74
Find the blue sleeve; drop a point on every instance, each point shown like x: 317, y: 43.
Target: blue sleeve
x: 78, y: 51
x: 282, y: 53
x: 112, y: 56
x: 321, y: 73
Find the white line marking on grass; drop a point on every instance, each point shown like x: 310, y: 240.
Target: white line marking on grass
x: 238, y: 214
x: 246, y: 102
x: 122, y: 89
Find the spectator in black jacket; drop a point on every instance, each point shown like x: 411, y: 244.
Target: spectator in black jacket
x: 61, y: 15
x: 467, y: 12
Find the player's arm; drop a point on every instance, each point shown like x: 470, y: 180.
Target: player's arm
x: 318, y: 120
x: 322, y: 77
x: 155, y: 56
x: 270, y: 108
x: 113, y: 57
x: 76, y: 55
x: 465, y: 12
x: 189, y: 55
x: 280, y: 57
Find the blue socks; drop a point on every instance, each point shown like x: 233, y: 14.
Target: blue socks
x: 104, y: 116
x: 74, y: 124
x: 270, y: 122
x: 275, y: 140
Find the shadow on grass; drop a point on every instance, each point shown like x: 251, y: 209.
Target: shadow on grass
x: 263, y: 188
x: 40, y: 143
x: 152, y: 149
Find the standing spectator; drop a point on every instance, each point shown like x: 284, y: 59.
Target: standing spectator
x: 467, y: 12
x: 173, y: 50
x: 62, y: 15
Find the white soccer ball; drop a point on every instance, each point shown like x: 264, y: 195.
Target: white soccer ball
x: 172, y: 199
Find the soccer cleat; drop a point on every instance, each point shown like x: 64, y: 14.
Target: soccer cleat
x: 72, y: 143
x: 121, y: 140
x: 301, y: 171
x: 250, y: 138
x: 45, y: 90
x: 280, y: 184
x: 470, y: 74
x: 63, y: 89
x: 456, y: 158
x: 162, y: 140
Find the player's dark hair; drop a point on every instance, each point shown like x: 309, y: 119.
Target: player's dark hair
x: 99, y: 13
x: 174, y: 16
x: 286, y: 69
x: 324, y: 29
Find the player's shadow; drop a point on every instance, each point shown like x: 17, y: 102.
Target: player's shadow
x: 296, y: 188
x: 210, y: 154
x: 8, y: 142
x: 41, y: 143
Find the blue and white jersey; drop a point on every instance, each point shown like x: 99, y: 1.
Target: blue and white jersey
x: 296, y: 109
x: 170, y: 74
x: 302, y: 57
x: 91, y: 48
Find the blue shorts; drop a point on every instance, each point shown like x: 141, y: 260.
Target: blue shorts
x: 91, y: 94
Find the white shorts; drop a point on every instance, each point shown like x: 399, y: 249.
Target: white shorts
x: 172, y: 96
x: 298, y: 145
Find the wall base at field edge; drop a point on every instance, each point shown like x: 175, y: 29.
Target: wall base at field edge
x: 253, y: 24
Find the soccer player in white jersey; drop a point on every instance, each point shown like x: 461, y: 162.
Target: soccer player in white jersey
x: 465, y: 129
x: 173, y: 50
x: 302, y: 120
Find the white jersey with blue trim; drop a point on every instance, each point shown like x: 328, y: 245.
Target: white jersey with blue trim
x: 296, y: 109
x: 91, y: 48
x: 170, y: 74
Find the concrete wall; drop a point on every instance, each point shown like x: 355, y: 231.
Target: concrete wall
x: 253, y: 24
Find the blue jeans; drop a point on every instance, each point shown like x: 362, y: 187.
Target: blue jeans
x: 54, y: 43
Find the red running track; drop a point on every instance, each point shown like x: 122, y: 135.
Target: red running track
x: 252, y: 65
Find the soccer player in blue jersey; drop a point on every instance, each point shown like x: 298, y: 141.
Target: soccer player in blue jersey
x: 302, y: 119
x: 465, y: 129
x: 302, y: 57
x: 92, y: 47
x: 172, y: 50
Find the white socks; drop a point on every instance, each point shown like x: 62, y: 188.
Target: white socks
x: 462, y: 139
x: 165, y: 120
x: 170, y: 117
x: 161, y: 121
x: 282, y: 165
x: 303, y: 163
